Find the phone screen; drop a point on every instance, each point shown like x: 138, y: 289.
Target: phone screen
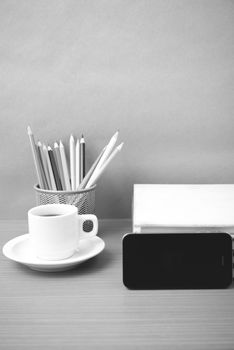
x: 170, y: 261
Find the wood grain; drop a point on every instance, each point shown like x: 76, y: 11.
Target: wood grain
x: 89, y: 308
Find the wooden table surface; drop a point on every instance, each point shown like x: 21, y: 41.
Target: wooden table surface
x: 89, y: 308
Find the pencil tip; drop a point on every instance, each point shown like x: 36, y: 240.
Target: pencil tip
x: 55, y: 145
x: 29, y: 130
x: 120, y: 146
x: 116, y: 134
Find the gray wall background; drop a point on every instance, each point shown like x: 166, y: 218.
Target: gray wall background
x: 160, y: 71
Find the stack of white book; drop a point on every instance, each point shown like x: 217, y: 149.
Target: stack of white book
x: 183, y: 208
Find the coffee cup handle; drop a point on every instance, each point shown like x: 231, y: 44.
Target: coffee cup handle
x: 81, y: 220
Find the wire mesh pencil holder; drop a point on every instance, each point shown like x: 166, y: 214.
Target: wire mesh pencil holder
x: 84, y: 200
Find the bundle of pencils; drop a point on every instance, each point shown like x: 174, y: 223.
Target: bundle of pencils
x: 55, y: 173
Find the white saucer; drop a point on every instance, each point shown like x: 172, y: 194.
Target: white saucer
x: 18, y: 250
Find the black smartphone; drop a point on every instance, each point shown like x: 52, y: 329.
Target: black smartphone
x: 177, y: 260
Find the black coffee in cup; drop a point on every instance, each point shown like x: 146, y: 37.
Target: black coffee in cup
x: 46, y: 215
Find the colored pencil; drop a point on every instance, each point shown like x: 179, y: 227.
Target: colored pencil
x: 72, y: 162
x: 58, y: 161
x: 106, y: 153
x: 51, y: 174
x: 82, y: 158
x: 43, y: 165
x: 65, y: 167
x: 35, y: 157
x: 90, y: 172
x: 77, y: 163
x: 96, y: 176
x: 54, y: 169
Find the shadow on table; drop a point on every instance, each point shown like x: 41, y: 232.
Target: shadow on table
x: 93, y: 265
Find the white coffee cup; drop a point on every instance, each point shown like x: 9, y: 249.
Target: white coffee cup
x: 56, y: 229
